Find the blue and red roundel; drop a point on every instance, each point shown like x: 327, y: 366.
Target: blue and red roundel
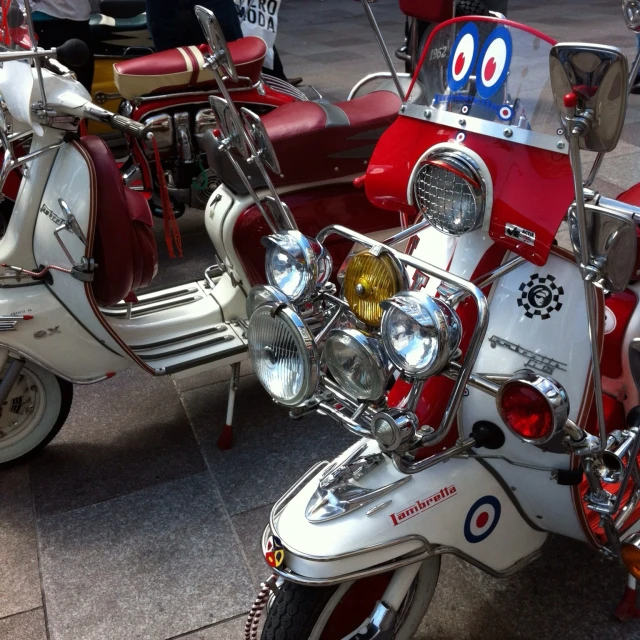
x: 482, y: 519
x: 494, y: 62
x: 463, y: 57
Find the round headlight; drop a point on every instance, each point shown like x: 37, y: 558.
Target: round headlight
x: 263, y: 294
x: 283, y: 354
x: 368, y: 280
x: 450, y: 191
x: 296, y: 264
x: 420, y: 333
x: 357, y: 363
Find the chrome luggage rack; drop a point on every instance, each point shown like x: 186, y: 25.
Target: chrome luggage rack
x: 424, y: 551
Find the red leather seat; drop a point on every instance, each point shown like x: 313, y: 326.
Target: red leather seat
x: 183, y: 68
x: 124, y: 246
x: 320, y: 140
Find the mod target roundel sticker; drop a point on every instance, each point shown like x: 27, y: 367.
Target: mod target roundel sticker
x: 482, y: 519
x: 494, y: 62
x: 463, y: 57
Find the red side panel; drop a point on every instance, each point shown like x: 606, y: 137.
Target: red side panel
x: 313, y: 210
x: 620, y: 307
x: 532, y: 188
x: 428, y: 10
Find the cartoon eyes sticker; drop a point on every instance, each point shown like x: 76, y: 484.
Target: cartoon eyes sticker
x: 493, y: 61
x: 463, y: 58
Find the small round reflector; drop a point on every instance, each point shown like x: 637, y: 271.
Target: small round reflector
x: 630, y: 555
x: 533, y: 407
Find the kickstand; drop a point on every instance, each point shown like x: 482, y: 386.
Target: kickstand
x: 226, y: 437
x: 627, y: 609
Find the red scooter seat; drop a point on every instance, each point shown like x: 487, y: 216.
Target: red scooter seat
x: 124, y: 246
x: 183, y: 68
x: 319, y: 140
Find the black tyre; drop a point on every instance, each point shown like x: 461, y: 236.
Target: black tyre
x: 33, y: 413
x: 326, y: 613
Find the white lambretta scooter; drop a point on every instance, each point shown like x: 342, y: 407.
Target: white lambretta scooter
x: 79, y: 242
x: 494, y: 399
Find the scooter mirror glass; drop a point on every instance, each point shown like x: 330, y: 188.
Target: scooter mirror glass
x: 3, y: 122
x: 261, y: 140
x: 631, y: 12
x: 228, y: 126
x: 590, y: 81
x: 217, y: 43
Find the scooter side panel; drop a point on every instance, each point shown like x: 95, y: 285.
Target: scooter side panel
x: 538, y: 321
x: 457, y: 503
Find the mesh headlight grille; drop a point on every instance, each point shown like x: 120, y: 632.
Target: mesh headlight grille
x: 449, y: 192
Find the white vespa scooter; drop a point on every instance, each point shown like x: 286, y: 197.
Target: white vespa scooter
x: 78, y: 243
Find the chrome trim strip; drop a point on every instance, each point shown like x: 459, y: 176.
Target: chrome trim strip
x: 186, y: 94
x: 152, y: 307
x: 282, y: 86
x: 558, y: 144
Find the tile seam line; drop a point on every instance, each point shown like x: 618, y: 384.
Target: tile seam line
x: 19, y: 613
x: 240, y: 616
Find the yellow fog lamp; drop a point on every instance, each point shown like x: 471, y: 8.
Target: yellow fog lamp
x: 630, y: 554
x: 368, y: 280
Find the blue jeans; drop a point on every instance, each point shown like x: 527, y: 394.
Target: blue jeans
x: 173, y: 23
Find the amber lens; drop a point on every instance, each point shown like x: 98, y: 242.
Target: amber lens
x: 631, y: 559
x: 368, y: 281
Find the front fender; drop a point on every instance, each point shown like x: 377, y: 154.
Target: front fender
x: 457, y: 504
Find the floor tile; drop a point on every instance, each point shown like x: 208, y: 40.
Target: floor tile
x: 230, y: 630
x: 19, y: 578
x: 623, y: 171
x: 270, y: 451
x: 149, y: 566
x: 122, y: 435
x: 249, y: 527
x: 221, y: 374
x: 24, y: 626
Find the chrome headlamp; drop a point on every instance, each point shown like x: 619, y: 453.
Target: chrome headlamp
x: 283, y: 354
x: 296, y: 264
x: 420, y: 333
x: 357, y: 363
x: 449, y: 188
x: 263, y: 294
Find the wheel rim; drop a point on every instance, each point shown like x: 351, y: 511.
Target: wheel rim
x: 352, y: 603
x: 22, y: 410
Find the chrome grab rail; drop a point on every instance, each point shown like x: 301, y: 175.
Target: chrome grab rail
x: 467, y: 287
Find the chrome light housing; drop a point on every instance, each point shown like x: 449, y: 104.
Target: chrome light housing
x: 450, y: 190
x: 420, y: 334
x: 296, y: 264
x: 283, y: 354
x: 357, y: 363
x: 263, y: 294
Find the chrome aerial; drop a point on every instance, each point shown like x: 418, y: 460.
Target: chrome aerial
x: 235, y: 129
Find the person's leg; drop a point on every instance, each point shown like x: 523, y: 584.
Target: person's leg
x: 53, y: 33
x: 165, y: 19
x: 227, y: 15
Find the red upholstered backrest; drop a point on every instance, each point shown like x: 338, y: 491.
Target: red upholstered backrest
x: 124, y: 247
x: 428, y: 10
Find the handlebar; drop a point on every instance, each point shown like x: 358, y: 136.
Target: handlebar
x: 116, y: 121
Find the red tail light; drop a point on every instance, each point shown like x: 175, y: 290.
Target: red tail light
x: 534, y: 408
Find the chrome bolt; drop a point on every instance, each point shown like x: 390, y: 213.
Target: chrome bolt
x: 33, y: 388
x: 403, y: 108
x: 462, y: 122
x: 507, y: 133
x: 360, y: 289
x: 427, y: 114
x: 30, y: 409
x: 560, y: 144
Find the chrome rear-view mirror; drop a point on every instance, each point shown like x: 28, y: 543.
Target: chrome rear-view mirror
x: 631, y: 12
x: 228, y: 126
x: 589, y: 85
x: 220, y: 55
x: 260, y: 137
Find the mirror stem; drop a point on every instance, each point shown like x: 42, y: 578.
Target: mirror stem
x: 589, y: 287
x: 383, y: 48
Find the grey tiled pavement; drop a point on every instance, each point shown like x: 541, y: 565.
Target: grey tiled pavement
x: 133, y: 526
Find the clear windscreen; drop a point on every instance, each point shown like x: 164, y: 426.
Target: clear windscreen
x: 491, y: 70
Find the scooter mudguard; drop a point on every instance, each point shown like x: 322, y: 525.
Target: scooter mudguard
x: 458, y: 504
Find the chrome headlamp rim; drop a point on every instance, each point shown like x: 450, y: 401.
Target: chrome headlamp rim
x: 306, y: 345
x: 552, y: 391
x: 380, y: 370
x: 474, y: 164
x: 427, y: 311
x: 263, y: 294
x: 308, y: 252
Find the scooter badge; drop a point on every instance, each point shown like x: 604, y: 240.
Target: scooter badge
x: 274, y: 552
x: 482, y: 519
x: 540, y: 296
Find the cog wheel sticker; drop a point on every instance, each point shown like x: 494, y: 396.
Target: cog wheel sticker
x: 541, y: 296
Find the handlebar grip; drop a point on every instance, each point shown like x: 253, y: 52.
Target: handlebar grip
x: 131, y: 127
